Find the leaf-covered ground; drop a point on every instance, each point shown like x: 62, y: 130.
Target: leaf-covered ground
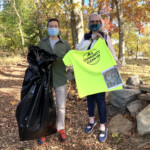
x: 11, y: 77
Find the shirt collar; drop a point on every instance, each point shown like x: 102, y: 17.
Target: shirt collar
x: 60, y: 39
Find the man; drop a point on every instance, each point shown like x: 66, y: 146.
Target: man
x: 55, y: 45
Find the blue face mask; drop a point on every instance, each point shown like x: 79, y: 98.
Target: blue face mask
x: 94, y: 27
x: 53, y: 31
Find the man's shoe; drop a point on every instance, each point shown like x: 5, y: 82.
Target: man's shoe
x: 62, y: 136
x: 87, y: 129
x: 42, y: 141
x: 103, y: 135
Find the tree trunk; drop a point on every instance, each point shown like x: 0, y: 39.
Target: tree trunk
x: 121, y: 31
x: 19, y: 25
x: 66, y: 22
x: 83, y: 2
x: 111, y: 14
x: 137, y: 49
x: 45, y: 9
x: 39, y: 23
x: 77, y: 26
x: 91, y: 3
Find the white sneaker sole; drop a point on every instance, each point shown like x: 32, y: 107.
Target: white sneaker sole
x: 105, y: 138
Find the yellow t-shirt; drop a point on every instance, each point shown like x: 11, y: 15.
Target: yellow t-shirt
x: 89, y: 66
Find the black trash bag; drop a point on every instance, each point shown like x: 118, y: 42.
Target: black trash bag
x: 36, y: 113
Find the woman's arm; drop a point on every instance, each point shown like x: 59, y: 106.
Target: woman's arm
x: 83, y: 45
x: 111, y: 48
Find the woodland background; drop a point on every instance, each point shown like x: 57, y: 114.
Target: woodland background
x: 23, y: 23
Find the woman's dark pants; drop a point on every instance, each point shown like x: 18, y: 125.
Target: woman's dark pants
x: 99, y: 99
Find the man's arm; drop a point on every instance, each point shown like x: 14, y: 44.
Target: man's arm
x: 39, y: 44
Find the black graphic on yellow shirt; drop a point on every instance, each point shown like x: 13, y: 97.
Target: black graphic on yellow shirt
x: 92, y: 57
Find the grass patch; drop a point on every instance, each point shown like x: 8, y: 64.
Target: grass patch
x: 139, y: 62
x: 10, y: 60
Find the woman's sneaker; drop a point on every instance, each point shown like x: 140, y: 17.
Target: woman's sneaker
x: 42, y: 141
x: 90, y: 127
x: 62, y: 136
x: 103, y: 135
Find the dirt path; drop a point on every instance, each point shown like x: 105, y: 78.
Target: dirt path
x: 11, y: 78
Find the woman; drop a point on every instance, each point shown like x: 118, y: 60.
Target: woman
x: 95, y: 25
x: 55, y: 45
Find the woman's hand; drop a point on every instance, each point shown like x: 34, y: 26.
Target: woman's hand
x: 119, y: 64
x: 97, y: 36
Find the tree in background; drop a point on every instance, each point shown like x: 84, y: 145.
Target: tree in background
x: 121, y: 23
x: 13, y: 3
x: 77, y: 26
x: 73, y: 14
x: 38, y: 18
x: 128, y: 13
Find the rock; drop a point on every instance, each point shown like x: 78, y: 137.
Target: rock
x: 134, y: 80
x: 120, y: 124
x: 144, y: 96
x: 70, y: 74
x: 120, y: 98
x: 143, y: 121
x: 134, y: 107
x: 112, y: 111
x: 130, y: 87
x: 145, y: 87
x: 148, y: 95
